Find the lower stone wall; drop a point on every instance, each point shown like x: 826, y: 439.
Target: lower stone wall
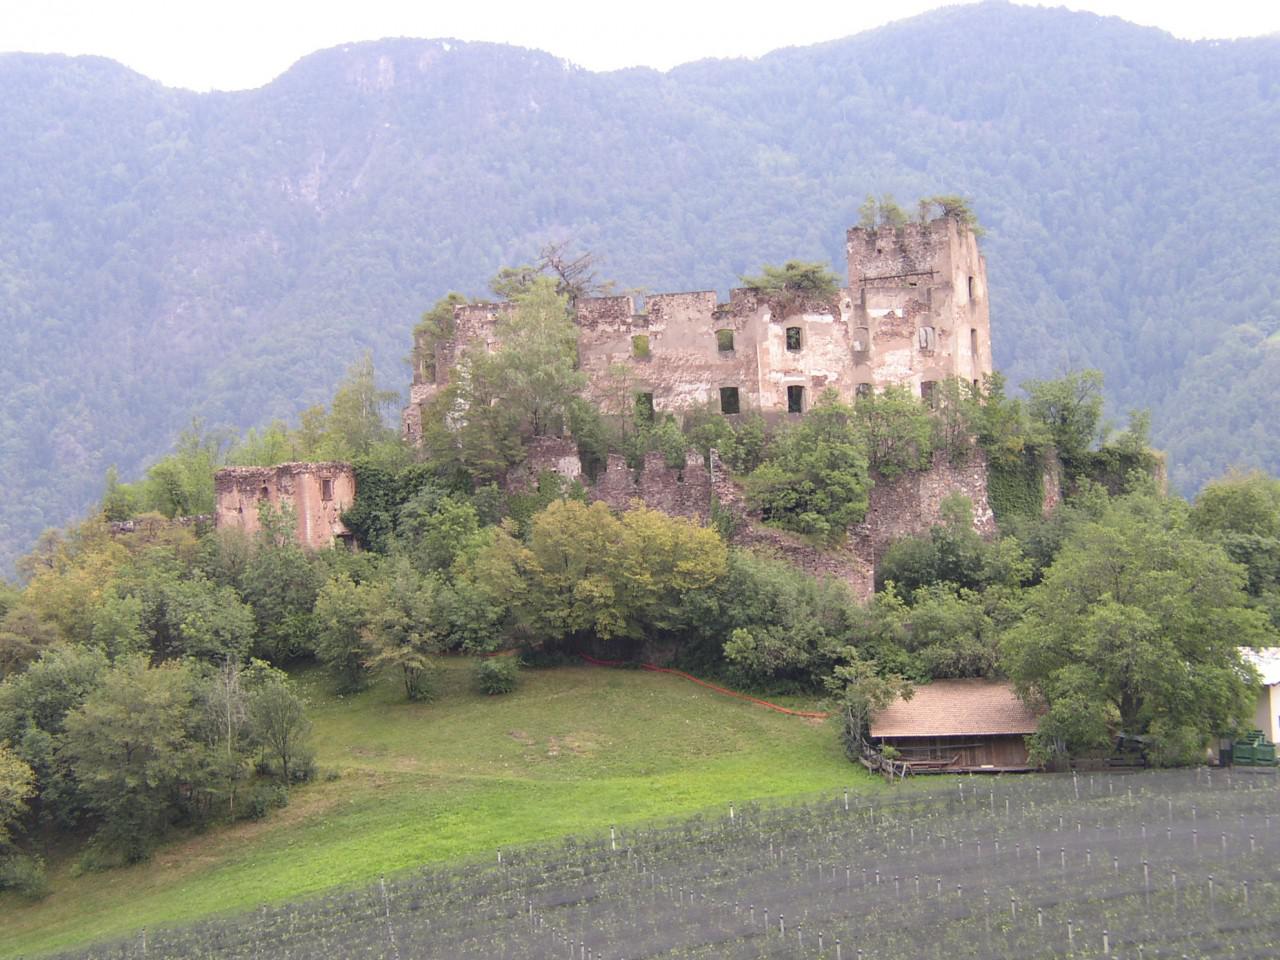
x: 911, y: 503
x: 904, y: 506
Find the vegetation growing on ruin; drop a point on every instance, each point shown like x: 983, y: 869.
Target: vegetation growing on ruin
x: 796, y: 278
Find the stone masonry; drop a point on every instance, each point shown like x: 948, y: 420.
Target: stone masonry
x: 317, y: 492
x: 907, y: 505
x: 914, y: 313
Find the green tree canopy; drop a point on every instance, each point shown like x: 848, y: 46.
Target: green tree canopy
x: 1136, y: 627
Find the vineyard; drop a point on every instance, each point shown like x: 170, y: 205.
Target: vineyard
x: 1140, y: 865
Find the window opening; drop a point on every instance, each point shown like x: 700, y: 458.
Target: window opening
x: 724, y: 341
x: 973, y: 344
x: 971, y: 288
x: 926, y: 338
x: 264, y: 493
x: 795, y: 399
x: 640, y: 346
x: 729, y: 400
x: 793, y: 338
x: 861, y: 339
x: 326, y: 489
x: 862, y: 390
x: 644, y: 407
x: 928, y: 391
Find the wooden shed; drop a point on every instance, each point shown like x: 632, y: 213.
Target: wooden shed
x: 959, y: 726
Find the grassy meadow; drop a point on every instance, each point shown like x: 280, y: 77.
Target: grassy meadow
x: 573, y: 750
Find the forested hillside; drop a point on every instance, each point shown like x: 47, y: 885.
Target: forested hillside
x: 165, y: 254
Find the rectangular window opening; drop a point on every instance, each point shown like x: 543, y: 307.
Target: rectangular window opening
x: 724, y: 341
x: 640, y: 346
x: 971, y: 288
x: 644, y: 407
x: 793, y: 338
x: 862, y: 390
x: 729, y: 400
x: 861, y: 339
x: 973, y: 344
x: 929, y: 391
x: 326, y: 489
x: 795, y: 399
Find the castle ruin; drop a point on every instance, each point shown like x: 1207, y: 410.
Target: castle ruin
x: 914, y: 313
x: 317, y: 493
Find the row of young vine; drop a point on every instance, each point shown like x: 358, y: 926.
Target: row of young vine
x: 1151, y: 865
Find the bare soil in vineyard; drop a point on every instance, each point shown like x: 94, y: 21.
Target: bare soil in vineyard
x: 574, y: 750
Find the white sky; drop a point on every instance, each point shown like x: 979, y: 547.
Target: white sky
x: 236, y: 44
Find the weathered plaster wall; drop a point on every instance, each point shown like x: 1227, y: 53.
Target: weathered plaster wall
x: 915, y: 313
x: 317, y: 492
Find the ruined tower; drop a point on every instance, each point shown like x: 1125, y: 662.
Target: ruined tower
x: 918, y: 303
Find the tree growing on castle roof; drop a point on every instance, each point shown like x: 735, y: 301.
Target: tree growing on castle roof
x: 881, y: 212
x: 951, y: 205
x: 797, y: 277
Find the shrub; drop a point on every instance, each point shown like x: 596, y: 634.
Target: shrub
x: 497, y: 675
x: 262, y: 798
x: 25, y: 875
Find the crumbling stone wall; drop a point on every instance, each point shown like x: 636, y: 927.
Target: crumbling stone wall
x: 914, y: 313
x: 904, y: 506
x: 911, y: 503
x: 317, y: 492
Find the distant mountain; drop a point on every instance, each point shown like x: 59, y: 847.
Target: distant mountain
x: 165, y: 254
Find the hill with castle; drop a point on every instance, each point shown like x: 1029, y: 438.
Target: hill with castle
x: 169, y: 255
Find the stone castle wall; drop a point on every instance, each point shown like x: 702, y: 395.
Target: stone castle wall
x: 317, y: 492
x: 904, y: 506
x: 914, y: 313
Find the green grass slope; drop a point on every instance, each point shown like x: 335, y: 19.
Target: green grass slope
x: 573, y: 750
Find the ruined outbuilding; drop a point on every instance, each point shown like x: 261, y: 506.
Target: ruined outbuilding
x: 317, y: 493
x: 914, y: 313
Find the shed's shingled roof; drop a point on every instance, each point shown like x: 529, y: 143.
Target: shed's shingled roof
x: 957, y: 708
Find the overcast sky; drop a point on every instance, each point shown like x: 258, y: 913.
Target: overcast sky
x: 236, y: 44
